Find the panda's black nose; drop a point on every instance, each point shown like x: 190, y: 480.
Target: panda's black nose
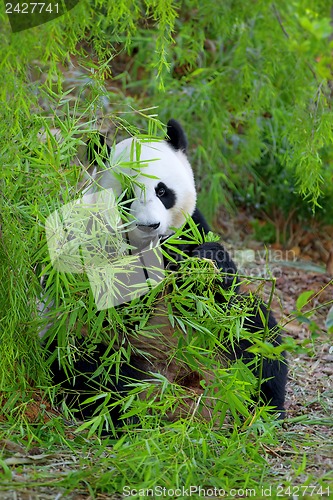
x: 147, y: 228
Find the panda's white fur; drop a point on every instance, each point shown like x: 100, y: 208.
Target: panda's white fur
x: 156, y: 162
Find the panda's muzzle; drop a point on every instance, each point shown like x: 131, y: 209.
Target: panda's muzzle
x: 148, y: 228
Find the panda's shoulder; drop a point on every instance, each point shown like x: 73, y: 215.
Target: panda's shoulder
x: 200, y: 221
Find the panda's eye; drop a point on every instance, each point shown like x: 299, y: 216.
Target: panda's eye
x: 160, y: 191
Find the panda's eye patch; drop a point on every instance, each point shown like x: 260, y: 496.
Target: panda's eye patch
x: 166, y: 195
x: 161, y: 190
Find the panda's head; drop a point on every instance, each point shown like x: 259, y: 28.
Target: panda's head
x: 163, y: 183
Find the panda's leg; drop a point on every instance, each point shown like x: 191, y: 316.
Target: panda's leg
x: 273, y: 390
x: 77, y: 384
x: 274, y: 371
x: 82, y: 384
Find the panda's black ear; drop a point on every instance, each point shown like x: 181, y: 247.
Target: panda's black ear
x: 176, y: 136
x: 97, y: 146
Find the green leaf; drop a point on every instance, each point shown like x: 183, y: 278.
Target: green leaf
x: 303, y: 299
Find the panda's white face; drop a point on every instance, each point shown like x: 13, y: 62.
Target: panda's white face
x: 169, y: 193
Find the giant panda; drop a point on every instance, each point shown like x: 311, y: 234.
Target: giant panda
x: 163, y: 198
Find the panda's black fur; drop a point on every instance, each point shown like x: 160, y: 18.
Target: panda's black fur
x: 83, y: 385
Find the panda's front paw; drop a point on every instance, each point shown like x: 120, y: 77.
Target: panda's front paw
x: 217, y: 253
